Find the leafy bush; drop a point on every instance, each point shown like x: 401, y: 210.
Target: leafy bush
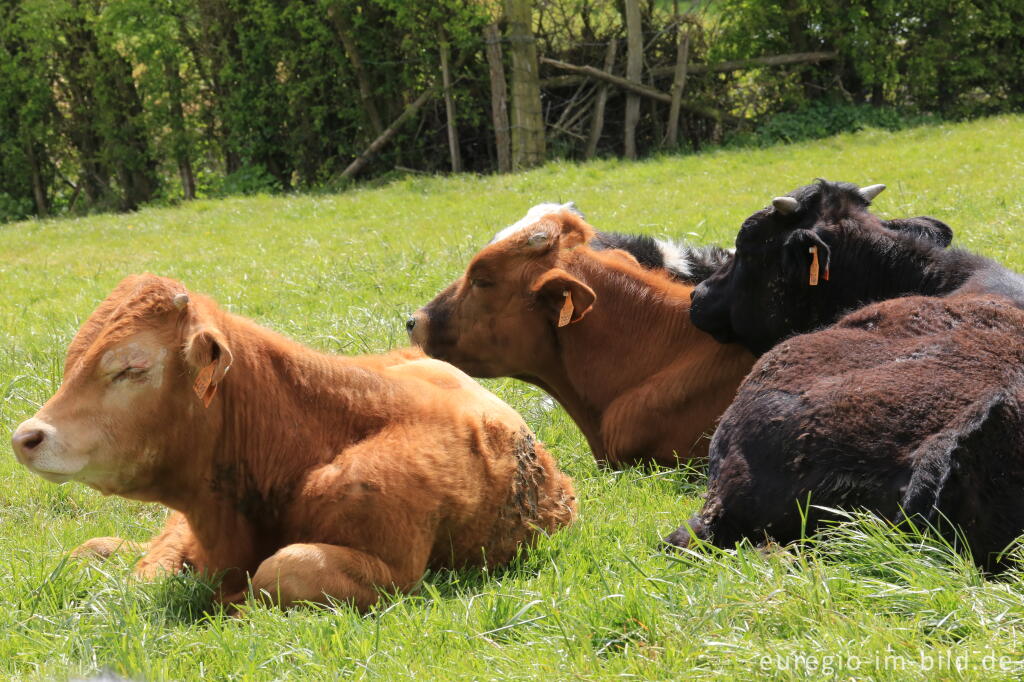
x: 958, y: 58
x: 248, y: 180
x: 822, y: 119
x: 14, y: 208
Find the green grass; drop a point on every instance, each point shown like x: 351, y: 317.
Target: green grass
x: 597, y: 600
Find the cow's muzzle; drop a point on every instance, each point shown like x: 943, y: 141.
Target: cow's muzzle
x: 38, y: 447
x: 417, y: 325
x: 25, y: 441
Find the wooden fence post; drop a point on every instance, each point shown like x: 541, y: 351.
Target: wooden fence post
x: 499, y: 98
x: 527, y: 115
x: 634, y: 67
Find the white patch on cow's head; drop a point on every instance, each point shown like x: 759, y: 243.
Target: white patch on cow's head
x: 674, y: 257
x: 533, y: 215
x: 156, y: 374
x: 137, y: 354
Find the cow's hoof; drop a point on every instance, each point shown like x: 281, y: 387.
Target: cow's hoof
x: 102, y: 548
x: 149, y: 572
x: 681, y: 537
x: 234, y: 604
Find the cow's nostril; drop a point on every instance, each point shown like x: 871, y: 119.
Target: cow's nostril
x: 410, y: 324
x: 28, y: 441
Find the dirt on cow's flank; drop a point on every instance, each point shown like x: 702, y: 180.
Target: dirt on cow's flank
x: 598, y: 600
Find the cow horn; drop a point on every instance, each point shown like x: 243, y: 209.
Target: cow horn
x: 871, y: 191
x: 572, y: 208
x: 785, y: 205
x: 180, y: 300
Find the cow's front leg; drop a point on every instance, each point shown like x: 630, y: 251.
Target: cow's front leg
x: 103, y: 548
x: 170, y: 551
x: 313, y: 572
x: 684, y: 536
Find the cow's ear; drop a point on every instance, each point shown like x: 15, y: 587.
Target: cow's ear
x: 566, y: 298
x: 208, y: 353
x: 946, y: 465
x: 806, y: 256
x: 575, y: 230
x: 923, y: 227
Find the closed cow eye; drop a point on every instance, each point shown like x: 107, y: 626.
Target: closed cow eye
x: 480, y: 283
x: 129, y: 373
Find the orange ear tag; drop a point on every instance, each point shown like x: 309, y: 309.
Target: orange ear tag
x: 815, y: 267
x: 204, y: 387
x: 565, y: 316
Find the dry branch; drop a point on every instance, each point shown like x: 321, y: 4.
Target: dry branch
x: 597, y: 122
x: 718, y: 67
x: 740, y: 64
x: 678, y: 83
x: 449, y: 108
x: 343, y: 27
x: 385, y: 137
x: 638, y: 88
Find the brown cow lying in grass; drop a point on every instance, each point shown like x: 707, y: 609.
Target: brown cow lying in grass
x: 610, y: 340
x: 317, y: 475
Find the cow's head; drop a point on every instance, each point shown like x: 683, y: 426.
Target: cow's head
x: 138, y: 379
x: 804, y: 260
x: 500, y: 318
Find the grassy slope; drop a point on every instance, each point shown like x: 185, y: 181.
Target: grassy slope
x: 340, y: 273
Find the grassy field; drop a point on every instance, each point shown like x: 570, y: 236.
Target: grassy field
x: 595, y: 601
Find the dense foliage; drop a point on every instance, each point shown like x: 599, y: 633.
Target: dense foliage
x: 114, y: 104
x: 957, y: 58
x: 109, y: 105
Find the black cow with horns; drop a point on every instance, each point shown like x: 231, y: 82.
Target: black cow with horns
x: 818, y: 253
x: 911, y: 408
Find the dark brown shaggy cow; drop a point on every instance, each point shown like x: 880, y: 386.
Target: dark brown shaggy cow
x: 907, y: 408
x: 609, y: 340
x: 318, y: 475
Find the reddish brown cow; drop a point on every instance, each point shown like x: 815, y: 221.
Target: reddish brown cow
x: 610, y: 340
x: 317, y: 475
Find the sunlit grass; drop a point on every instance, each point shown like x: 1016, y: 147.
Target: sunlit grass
x: 599, y: 600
